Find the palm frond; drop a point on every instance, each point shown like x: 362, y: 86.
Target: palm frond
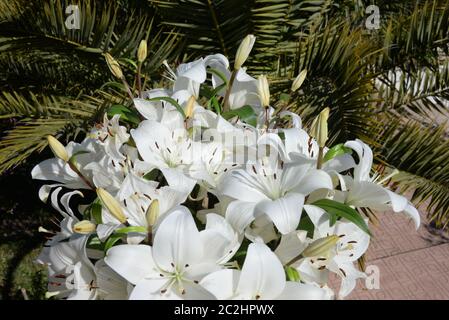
x: 219, y: 25
x: 422, y: 94
x: 417, y: 38
x: 31, y: 118
x: 339, y: 77
x: 420, y: 153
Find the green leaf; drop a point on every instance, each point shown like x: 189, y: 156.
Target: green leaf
x: 96, y: 212
x: 214, y: 103
x: 113, y: 239
x: 94, y: 243
x: 171, y: 101
x: 245, y: 113
x: 126, y: 230
x: 344, y: 211
x: 292, y: 274
x: 307, y: 225
x: 284, y: 97
x: 336, y: 151
x: 125, y: 113
x: 152, y: 175
x: 218, y: 74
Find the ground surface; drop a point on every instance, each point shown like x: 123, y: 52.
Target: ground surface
x: 412, y: 264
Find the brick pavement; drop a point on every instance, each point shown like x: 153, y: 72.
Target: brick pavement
x: 412, y: 264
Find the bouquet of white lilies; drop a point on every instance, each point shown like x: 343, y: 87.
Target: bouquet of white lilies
x: 204, y: 191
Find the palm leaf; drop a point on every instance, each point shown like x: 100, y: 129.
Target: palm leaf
x: 420, y: 153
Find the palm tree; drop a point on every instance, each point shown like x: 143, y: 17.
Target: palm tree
x: 385, y: 86
x: 50, y: 75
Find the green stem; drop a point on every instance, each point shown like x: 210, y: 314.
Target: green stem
x: 128, y: 90
x: 319, y: 163
x: 295, y: 259
x: 228, y: 91
x: 139, y: 80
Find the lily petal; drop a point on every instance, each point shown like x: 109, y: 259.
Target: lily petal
x: 132, y: 262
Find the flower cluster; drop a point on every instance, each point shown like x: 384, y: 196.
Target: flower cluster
x: 204, y: 191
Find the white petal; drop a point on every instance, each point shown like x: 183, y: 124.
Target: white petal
x: 299, y: 291
x: 284, y: 212
x: 316, y: 214
x: 177, y: 241
x: 111, y: 286
x: 132, y: 262
x: 104, y: 230
x: 219, y: 238
x: 195, y: 71
x: 296, y: 119
x: 149, y: 109
x: 363, y: 168
x: 291, y: 246
x: 240, y: 214
x: 262, y: 274
x: 150, y: 289
x: 222, y: 284
x: 233, y: 187
x: 414, y: 214
x: 178, y: 180
x: 314, y: 180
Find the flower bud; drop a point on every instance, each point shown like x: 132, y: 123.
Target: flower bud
x: 189, y: 107
x: 321, y: 247
x: 111, y: 204
x: 58, y: 149
x: 243, y: 51
x: 84, y: 227
x: 51, y: 294
x: 152, y: 213
x: 297, y: 83
x: 319, y: 127
x: 264, y: 90
x: 142, y: 51
x: 114, y: 66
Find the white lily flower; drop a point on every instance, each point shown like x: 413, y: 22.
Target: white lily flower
x: 365, y: 192
x: 352, y: 243
x: 244, y: 89
x: 188, y: 76
x: 71, y: 273
x: 167, y: 150
x: 262, y: 278
x: 173, y: 266
x: 112, y: 135
x: 57, y: 170
x: 277, y: 190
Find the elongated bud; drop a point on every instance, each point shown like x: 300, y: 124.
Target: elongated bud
x: 152, y: 213
x: 319, y: 127
x: 321, y: 247
x: 111, y: 204
x: 142, y: 51
x: 84, y: 227
x: 114, y: 66
x: 43, y: 230
x: 51, y: 294
x: 189, y: 107
x: 243, y: 51
x: 297, y: 83
x: 58, y: 149
x: 264, y: 90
